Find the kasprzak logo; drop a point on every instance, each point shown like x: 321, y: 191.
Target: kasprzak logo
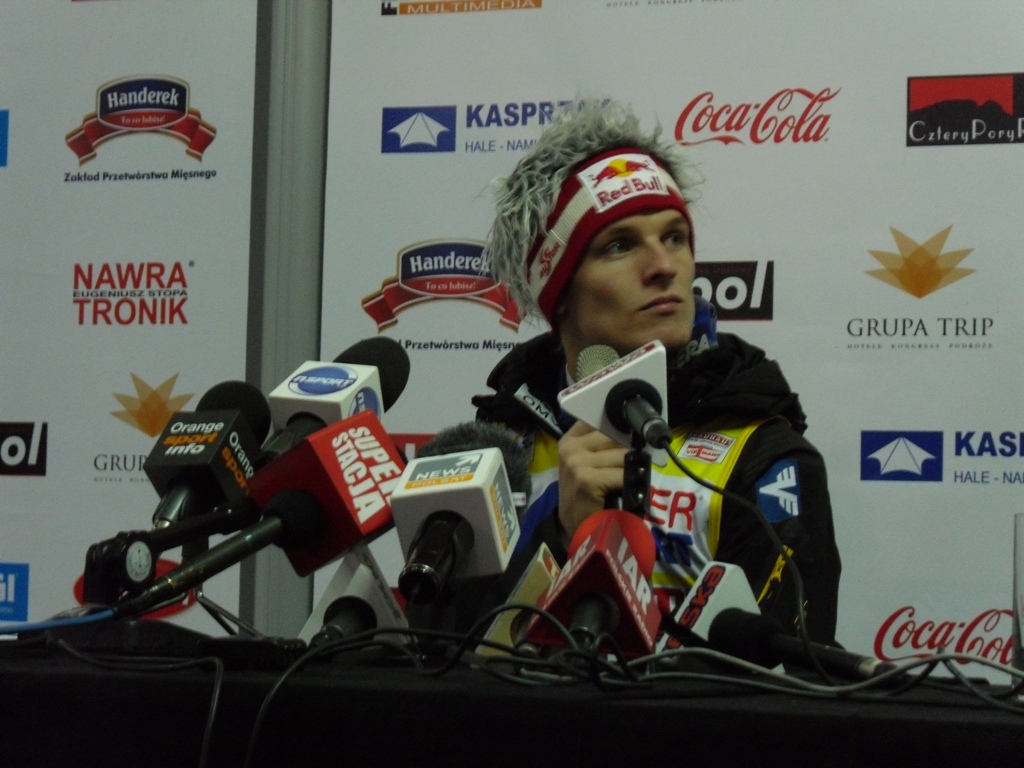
x: 418, y: 129
x: 907, y: 456
x: 963, y: 110
x: 486, y: 127
x: 23, y: 448
x: 989, y: 457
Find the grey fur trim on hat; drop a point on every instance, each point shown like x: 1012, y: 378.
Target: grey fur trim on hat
x: 525, y: 198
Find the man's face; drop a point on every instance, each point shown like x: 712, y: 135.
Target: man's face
x: 634, y: 284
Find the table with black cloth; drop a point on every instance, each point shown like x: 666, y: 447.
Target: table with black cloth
x: 56, y: 710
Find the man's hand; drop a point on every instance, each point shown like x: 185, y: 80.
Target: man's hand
x: 590, y: 466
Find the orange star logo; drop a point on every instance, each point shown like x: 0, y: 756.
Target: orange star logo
x: 920, y: 268
x: 150, y: 408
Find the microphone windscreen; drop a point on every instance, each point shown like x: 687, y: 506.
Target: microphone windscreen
x: 745, y: 635
x: 239, y: 396
x: 390, y: 360
x: 300, y: 513
x: 474, y: 435
x: 593, y: 358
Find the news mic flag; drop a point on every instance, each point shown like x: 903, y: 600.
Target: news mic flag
x: 357, y: 598
x: 351, y: 468
x: 718, y: 587
x: 509, y: 626
x: 206, y: 457
x: 605, y: 563
x: 369, y: 375
x: 472, y: 484
x: 587, y: 398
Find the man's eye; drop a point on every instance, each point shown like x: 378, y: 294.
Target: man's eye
x: 619, y: 245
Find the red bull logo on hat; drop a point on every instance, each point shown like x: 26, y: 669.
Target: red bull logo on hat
x: 613, y: 180
x: 619, y: 167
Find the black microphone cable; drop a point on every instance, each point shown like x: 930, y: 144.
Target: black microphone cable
x: 665, y: 444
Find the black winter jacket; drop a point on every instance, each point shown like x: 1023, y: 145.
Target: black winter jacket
x: 732, y: 383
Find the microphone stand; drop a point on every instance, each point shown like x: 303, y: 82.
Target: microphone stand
x: 636, y: 478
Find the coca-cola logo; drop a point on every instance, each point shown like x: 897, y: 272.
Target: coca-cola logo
x: 905, y: 635
x: 790, y: 115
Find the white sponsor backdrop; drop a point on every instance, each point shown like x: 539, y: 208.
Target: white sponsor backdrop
x: 65, y: 369
x: 926, y: 561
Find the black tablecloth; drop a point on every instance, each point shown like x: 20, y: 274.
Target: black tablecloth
x: 58, y: 711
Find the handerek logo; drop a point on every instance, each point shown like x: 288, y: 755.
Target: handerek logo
x: 418, y: 129
x: 23, y: 448
x: 440, y: 269
x: 142, y: 104
x: 901, y: 456
x: 962, y: 110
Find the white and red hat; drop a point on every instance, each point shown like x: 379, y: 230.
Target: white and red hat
x: 608, y: 187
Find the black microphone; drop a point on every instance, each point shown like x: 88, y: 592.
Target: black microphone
x: 622, y: 397
x: 324, y: 496
x: 293, y: 518
x: 635, y: 405
x: 631, y: 405
x: 317, y: 394
x: 759, y: 639
x: 127, y: 562
x: 346, y: 616
x: 205, y: 457
x: 357, y: 599
x: 604, y: 589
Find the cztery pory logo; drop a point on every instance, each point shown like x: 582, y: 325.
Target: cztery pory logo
x: 961, y: 110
